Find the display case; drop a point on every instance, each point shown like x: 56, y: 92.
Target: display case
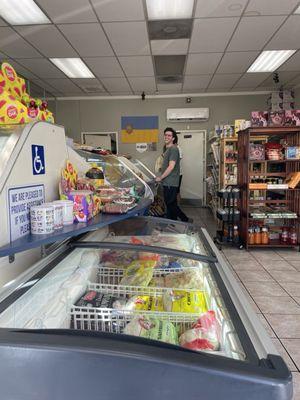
x: 144, y: 307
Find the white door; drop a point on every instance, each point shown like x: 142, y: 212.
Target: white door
x: 193, y: 146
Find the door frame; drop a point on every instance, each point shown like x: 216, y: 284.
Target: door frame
x: 84, y: 134
x: 204, y: 132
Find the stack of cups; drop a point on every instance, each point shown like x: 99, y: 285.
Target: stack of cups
x: 58, y: 215
x: 42, y: 219
x: 67, y: 210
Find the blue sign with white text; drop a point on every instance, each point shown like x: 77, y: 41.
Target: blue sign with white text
x: 38, y: 159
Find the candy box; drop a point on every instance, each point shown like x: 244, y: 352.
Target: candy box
x: 238, y: 123
x: 97, y: 204
x: 259, y: 118
x: 292, y: 117
x: 83, y: 204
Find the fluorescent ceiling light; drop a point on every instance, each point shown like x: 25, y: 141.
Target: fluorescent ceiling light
x: 22, y: 12
x: 73, y: 67
x: 270, y: 60
x: 169, y: 9
x: 297, y: 11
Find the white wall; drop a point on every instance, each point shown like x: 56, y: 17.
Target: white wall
x: 105, y: 115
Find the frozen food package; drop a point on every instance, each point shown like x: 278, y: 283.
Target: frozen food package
x: 182, y: 301
x: 146, y: 303
x: 93, y: 298
x: 189, y: 278
x: 157, y: 281
x: 204, y: 334
x: 139, y: 273
x: 152, y: 328
x: 118, y: 258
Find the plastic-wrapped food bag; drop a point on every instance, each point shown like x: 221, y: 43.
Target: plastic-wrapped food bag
x: 152, y: 328
x: 190, y: 278
x: 182, y: 301
x: 100, y: 300
x: 146, y: 303
x: 157, y: 281
x: 139, y: 273
x: 203, y: 336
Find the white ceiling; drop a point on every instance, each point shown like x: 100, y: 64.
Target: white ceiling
x: 112, y: 38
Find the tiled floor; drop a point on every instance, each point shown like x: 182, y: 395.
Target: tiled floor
x: 271, y: 279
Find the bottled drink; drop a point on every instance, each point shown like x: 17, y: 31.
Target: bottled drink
x: 284, y: 237
x: 250, y: 236
x: 257, y: 235
x: 264, y: 235
x: 293, y: 239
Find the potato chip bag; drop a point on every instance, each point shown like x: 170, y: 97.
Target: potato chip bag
x: 182, y: 301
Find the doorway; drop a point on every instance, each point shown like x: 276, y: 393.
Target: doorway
x: 106, y: 140
x: 193, y: 166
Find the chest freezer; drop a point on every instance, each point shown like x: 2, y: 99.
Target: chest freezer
x: 146, y: 308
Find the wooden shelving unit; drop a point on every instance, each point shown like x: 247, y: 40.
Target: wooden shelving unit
x: 289, y: 198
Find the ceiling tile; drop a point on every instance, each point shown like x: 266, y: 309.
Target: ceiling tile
x: 41, y: 67
x: 15, y: 46
x: 288, y: 36
x: 44, y: 85
x: 284, y: 77
x: 89, y: 85
x: 270, y: 7
x: 2, y: 22
x: 204, y: 63
x: 116, y: 84
x: 169, y: 47
x: 252, y: 80
x: 137, y: 66
x: 88, y: 39
x: 196, y: 82
x: 140, y: 84
x: 292, y: 64
x: 48, y: 40
x: 68, y: 11
x: 170, y: 29
x: 295, y: 82
x: 212, y: 35
x: 252, y: 33
x: 128, y: 38
x: 223, y: 81
x: 104, y: 67
x: 169, y: 87
x: 64, y: 86
x: 169, y: 65
x: 119, y: 10
x: 235, y: 62
x: 219, y: 8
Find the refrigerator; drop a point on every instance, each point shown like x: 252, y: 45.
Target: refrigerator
x: 143, y: 308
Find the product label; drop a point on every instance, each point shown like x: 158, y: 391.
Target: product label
x: 10, y: 73
x: 32, y: 112
x: 19, y: 202
x: 12, y: 112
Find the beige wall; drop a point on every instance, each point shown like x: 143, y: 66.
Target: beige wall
x: 105, y: 115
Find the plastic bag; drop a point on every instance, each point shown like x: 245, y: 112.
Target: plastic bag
x: 139, y: 273
x: 185, y: 302
x: 187, y: 279
x: 152, y: 328
x: 99, y: 300
x: 204, y: 334
x: 146, y: 303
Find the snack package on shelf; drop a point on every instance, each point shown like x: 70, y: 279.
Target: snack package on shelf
x: 182, y: 301
x: 190, y: 278
x: 117, y: 258
x: 145, y: 303
x: 139, y: 273
x: 83, y: 205
x: 203, y: 336
x: 152, y: 328
x: 100, y: 300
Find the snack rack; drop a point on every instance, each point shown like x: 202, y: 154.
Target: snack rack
x: 228, y: 214
x: 286, y: 199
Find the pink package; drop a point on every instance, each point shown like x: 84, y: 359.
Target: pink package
x: 83, y: 204
x: 276, y: 118
x: 292, y: 117
x: 259, y: 118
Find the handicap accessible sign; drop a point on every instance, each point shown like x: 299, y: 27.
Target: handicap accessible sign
x: 38, y: 159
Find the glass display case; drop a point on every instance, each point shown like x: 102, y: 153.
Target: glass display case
x: 9, y: 136
x: 143, y: 307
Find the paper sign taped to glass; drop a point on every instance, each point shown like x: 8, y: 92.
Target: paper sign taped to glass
x: 139, y: 129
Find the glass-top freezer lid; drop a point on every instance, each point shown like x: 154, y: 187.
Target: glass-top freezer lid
x: 169, y: 298
x: 9, y: 136
x: 142, y: 167
x: 154, y: 232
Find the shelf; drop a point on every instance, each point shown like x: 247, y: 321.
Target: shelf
x: 230, y: 162
x: 271, y: 130
x: 269, y: 201
x: 267, y: 174
x: 101, y: 220
x: 273, y: 243
x: 272, y: 161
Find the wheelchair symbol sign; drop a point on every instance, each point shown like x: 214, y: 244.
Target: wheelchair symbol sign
x: 38, y: 159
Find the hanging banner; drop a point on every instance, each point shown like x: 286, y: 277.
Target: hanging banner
x: 139, y: 129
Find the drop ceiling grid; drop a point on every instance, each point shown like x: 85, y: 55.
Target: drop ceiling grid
x: 57, y: 12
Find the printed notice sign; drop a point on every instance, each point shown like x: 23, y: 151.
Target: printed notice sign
x: 19, y: 201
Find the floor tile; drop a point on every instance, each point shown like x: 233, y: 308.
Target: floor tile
x: 282, y: 351
x: 293, y: 348
x: 266, y: 255
x: 252, y: 303
x: 276, y: 265
x: 291, y: 255
x: 285, y: 326
x: 292, y: 288
x: 240, y: 255
x: 266, y: 325
x: 296, y: 385
x: 277, y: 305
x: 254, y: 276
x: 295, y: 264
x: 288, y: 276
x: 297, y: 299
x: 264, y: 289
x: 245, y: 265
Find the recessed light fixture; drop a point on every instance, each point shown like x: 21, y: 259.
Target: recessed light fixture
x: 73, y: 67
x: 25, y: 12
x: 169, y: 9
x: 270, y: 60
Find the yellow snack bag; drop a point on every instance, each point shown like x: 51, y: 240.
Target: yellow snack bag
x: 182, y: 301
x: 146, y: 303
x: 139, y: 273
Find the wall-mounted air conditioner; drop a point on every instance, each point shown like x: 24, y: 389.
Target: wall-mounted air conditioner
x: 187, y: 114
